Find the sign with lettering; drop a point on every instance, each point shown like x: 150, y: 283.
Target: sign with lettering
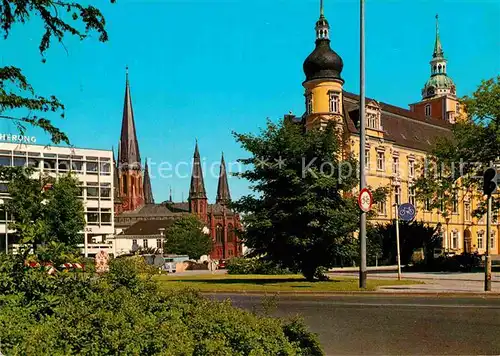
x: 17, y: 138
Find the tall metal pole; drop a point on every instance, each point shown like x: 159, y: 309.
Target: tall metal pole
x: 362, y: 145
x: 397, y: 242
x: 487, y: 258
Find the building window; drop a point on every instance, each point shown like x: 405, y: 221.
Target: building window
x: 428, y: 110
x: 381, y: 208
x: 372, y: 120
x: 411, y: 168
x: 397, y: 195
x: 309, y: 104
x: 480, y: 241
x: 92, y: 190
x: 455, y: 203
x: 105, y: 168
x: 395, y: 165
x: 231, y: 253
x: 159, y: 243
x: 494, y: 216
x: 145, y: 243
x: 467, y: 211
x: 92, y: 167
x: 492, y: 240
x: 427, y: 204
x: 106, y: 216
x: 134, y: 242
x: 454, y: 239
x: 380, y: 161
x: 219, y: 234
x: 367, y: 159
x: 93, y: 216
x: 106, y: 191
x: 230, y: 233
x: 411, y: 195
x: 458, y: 108
x: 334, y: 103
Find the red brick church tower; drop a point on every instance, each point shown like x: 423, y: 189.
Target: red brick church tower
x: 130, y: 190
x: 198, y: 202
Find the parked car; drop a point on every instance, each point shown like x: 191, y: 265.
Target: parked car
x: 222, y: 264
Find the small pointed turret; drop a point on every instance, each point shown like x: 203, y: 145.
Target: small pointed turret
x: 223, y: 194
x: 197, y: 188
x: 129, y: 156
x: 148, y: 190
x: 116, y: 177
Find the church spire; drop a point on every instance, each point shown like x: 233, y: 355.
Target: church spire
x: 147, y: 189
x: 223, y: 194
x: 129, y: 156
x: 197, y: 188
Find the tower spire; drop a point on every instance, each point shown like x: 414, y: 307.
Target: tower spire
x: 438, y: 48
x: 223, y: 194
x: 322, y: 26
x: 129, y: 156
x: 197, y: 188
x: 147, y: 189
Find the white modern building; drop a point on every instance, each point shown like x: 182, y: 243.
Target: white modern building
x: 94, y: 170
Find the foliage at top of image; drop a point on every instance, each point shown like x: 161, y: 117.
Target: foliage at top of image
x: 58, y: 18
x: 125, y: 313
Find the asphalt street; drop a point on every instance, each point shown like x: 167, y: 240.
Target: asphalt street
x: 391, y: 325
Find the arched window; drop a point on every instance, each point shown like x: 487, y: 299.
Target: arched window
x: 219, y: 234
x: 439, y: 68
x: 435, y: 68
x: 230, y: 233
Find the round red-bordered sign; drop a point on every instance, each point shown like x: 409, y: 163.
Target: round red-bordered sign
x: 365, y: 200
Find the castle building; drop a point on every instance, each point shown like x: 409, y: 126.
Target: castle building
x: 398, y: 139
x: 139, y: 221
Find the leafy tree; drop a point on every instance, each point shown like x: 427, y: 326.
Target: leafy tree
x: 58, y: 18
x: 303, y: 214
x: 44, y: 209
x: 457, y: 162
x: 185, y: 237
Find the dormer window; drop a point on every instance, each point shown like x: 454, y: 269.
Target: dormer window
x: 428, y: 110
x: 335, y: 102
x: 309, y: 104
x: 373, y: 116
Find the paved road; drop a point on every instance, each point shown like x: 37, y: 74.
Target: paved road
x: 393, y: 325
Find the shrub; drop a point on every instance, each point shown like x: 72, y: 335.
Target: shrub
x: 241, y: 265
x: 458, y: 263
x: 121, y: 313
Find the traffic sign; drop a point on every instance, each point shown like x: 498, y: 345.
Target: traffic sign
x: 407, y: 212
x: 365, y: 200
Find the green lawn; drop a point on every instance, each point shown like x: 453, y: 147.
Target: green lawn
x: 275, y: 283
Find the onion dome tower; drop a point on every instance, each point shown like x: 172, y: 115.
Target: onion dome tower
x: 323, y: 84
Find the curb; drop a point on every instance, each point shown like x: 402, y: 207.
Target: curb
x: 360, y: 293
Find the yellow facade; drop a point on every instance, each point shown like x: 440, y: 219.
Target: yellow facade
x: 396, y: 167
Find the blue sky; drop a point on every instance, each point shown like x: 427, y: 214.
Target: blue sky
x: 201, y: 68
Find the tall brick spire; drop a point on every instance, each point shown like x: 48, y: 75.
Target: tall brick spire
x: 198, y: 203
x: 197, y: 189
x: 223, y: 194
x: 148, y: 190
x: 129, y: 156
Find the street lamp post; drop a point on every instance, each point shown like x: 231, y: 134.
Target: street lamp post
x: 362, y: 147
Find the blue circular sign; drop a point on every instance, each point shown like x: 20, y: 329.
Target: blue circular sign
x: 407, y: 212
